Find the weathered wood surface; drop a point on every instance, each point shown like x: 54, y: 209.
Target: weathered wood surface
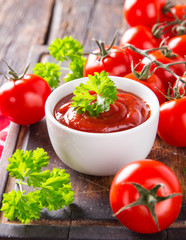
x: 25, y: 26
x: 22, y: 24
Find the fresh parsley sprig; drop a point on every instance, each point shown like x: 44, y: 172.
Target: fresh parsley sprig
x: 51, y: 72
x: 52, y: 188
x: 66, y: 49
x: 104, y: 94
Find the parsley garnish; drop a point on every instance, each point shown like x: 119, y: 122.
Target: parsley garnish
x: 66, y: 49
x: 105, y: 94
x: 52, y: 188
x: 51, y: 72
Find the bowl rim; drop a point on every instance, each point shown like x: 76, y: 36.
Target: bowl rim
x: 49, y: 113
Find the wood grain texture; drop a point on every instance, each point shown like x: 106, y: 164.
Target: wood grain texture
x: 85, y: 20
x: 22, y: 23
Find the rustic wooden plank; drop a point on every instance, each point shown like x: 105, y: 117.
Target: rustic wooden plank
x: 106, y: 19
x: 176, y: 234
x: 85, y: 20
x: 111, y: 233
x: 34, y: 232
x: 73, y: 18
x: 22, y: 23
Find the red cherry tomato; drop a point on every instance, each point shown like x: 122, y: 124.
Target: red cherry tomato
x: 163, y: 74
x: 116, y: 63
x: 141, y: 37
x: 177, y: 44
x: 172, y: 122
x: 148, y: 173
x: 143, y: 12
x: 153, y: 82
x: 23, y: 101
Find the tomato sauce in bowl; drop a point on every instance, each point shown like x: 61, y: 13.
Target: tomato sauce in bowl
x: 103, y: 153
x: 127, y: 112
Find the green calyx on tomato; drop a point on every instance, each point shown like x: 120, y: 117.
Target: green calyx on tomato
x: 103, y: 51
x: 167, y: 8
x: 174, y: 93
x: 144, y: 73
x: 148, y: 198
x: 166, y: 51
x: 13, y: 74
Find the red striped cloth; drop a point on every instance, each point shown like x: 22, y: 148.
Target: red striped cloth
x: 4, y: 127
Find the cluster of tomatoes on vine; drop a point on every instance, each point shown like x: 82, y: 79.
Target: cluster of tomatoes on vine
x: 157, y: 29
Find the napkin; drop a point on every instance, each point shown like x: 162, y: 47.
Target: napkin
x: 4, y: 127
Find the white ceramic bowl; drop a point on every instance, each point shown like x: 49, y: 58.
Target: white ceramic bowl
x: 102, y: 154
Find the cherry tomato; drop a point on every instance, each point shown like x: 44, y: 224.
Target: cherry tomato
x: 23, y: 101
x: 177, y: 44
x: 116, y: 63
x: 143, y: 12
x: 172, y: 122
x: 153, y: 82
x: 163, y: 74
x: 141, y: 37
x: 147, y: 173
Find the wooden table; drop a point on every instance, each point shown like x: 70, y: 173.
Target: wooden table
x: 27, y: 27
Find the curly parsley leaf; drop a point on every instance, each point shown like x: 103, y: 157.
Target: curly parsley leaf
x: 53, y: 189
x: 105, y: 94
x: 56, y: 191
x: 67, y: 48
x: 35, y: 179
x: 49, y: 71
x: 23, y: 207
x: 76, y: 69
x: 21, y: 164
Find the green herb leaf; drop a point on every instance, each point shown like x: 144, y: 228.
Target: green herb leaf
x: 35, y: 179
x: 48, y: 71
x: 76, y: 69
x: 23, y: 207
x: 184, y: 169
x: 65, y: 49
x: 21, y: 164
x: 56, y: 191
x: 52, y: 189
x: 105, y: 94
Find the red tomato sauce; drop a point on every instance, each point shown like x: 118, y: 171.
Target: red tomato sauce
x: 127, y: 112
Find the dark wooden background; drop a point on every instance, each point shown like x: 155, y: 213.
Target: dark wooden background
x: 27, y: 27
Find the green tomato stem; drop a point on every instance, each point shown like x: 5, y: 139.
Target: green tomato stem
x: 144, y: 53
